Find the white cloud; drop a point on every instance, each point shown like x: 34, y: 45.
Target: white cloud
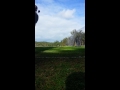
x: 56, y: 23
x: 67, y: 13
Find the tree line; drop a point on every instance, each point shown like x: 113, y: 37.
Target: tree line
x: 77, y: 38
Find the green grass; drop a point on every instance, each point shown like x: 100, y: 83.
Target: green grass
x: 60, y: 73
x: 59, y: 51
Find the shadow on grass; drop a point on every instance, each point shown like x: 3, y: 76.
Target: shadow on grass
x: 41, y: 49
x: 75, y: 81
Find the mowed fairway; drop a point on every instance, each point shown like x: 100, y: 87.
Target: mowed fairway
x: 57, y: 72
x: 59, y: 51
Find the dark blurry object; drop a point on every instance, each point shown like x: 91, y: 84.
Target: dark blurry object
x: 36, y: 15
x: 38, y: 11
x: 75, y: 81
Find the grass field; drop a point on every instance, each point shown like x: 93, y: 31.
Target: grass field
x: 59, y: 51
x: 60, y: 73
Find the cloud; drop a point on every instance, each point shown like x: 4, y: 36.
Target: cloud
x: 67, y: 13
x: 55, y: 28
x: 56, y: 22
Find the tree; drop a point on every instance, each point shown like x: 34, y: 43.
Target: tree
x: 56, y: 43
x: 77, y: 37
x: 64, y: 42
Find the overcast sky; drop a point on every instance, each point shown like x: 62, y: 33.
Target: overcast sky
x: 57, y: 18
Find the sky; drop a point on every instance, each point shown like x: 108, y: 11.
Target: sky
x: 57, y: 18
